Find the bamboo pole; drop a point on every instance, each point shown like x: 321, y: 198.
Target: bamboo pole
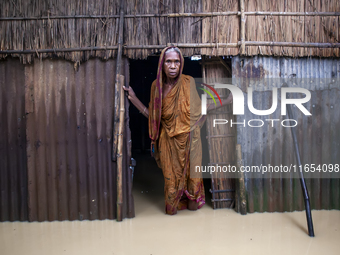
x: 85, y: 17
x: 204, y: 45
x: 144, y: 46
x: 175, y: 15
x: 120, y: 149
x: 293, y: 44
x: 118, y: 122
x: 292, y: 13
x: 61, y: 17
x: 181, y: 45
x: 241, y: 190
x: 31, y: 51
x: 127, y: 134
x: 118, y: 71
x: 243, y: 29
x: 201, y: 14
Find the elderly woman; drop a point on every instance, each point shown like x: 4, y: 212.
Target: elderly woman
x: 175, y: 119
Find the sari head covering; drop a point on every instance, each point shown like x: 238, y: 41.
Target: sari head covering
x: 156, y: 112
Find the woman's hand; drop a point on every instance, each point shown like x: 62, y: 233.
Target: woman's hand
x: 131, y: 93
x: 136, y: 102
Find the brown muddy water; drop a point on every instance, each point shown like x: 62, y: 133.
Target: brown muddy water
x: 205, y: 231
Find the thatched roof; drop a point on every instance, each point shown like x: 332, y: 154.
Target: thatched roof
x: 59, y: 33
x: 309, y: 29
x: 90, y: 28
x: 162, y: 30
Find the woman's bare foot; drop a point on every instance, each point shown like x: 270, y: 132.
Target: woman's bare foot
x: 192, y: 205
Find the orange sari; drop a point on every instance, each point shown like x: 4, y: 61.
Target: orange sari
x: 177, y: 140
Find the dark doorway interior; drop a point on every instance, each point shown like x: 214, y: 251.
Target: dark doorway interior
x: 148, y: 178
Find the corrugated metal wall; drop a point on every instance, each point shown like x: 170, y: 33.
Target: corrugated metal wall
x: 56, y: 142
x: 13, y: 176
x: 318, y: 135
x: 69, y: 136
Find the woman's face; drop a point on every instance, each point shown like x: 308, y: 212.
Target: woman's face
x: 172, y: 64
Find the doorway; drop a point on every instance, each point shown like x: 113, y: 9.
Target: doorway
x: 148, y: 180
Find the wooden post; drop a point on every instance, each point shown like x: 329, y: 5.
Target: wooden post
x: 120, y: 150
x: 118, y: 123
x: 127, y: 135
x: 241, y: 189
x: 243, y: 29
x: 118, y: 72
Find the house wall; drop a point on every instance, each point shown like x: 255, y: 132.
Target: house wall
x: 318, y: 135
x: 67, y: 141
x: 13, y: 165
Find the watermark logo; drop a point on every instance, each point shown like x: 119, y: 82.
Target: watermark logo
x: 209, y: 93
x: 239, y: 104
x: 238, y: 99
x: 259, y: 118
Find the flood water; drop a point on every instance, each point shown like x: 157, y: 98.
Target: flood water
x: 205, y: 231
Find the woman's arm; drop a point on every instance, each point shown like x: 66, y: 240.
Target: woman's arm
x: 226, y: 101
x: 136, y: 102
